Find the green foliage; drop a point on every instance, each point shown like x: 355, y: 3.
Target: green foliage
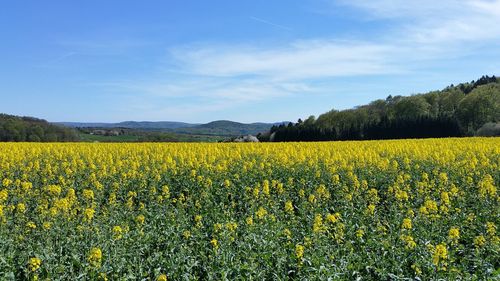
x: 29, y: 129
x: 133, y: 135
x: 286, y: 211
x: 489, y: 130
x: 215, y: 128
x: 455, y: 111
x: 482, y: 105
x: 225, y: 128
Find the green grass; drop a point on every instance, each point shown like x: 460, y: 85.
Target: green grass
x: 98, y: 138
x: 164, y: 137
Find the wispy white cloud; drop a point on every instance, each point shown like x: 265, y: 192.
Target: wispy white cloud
x: 227, y: 91
x: 55, y: 61
x: 303, y: 59
x: 226, y: 75
x: 428, y: 30
x: 192, y: 98
x: 105, y: 46
x: 270, y: 23
x: 63, y: 57
x: 436, y: 22
x: 222, y: 77
x: 392, y: 9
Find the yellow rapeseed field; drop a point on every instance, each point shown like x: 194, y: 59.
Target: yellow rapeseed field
x: 304, y: 211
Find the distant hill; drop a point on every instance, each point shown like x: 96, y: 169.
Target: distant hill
x: 144, y: 125
x: 16, y: 128
x: 458, y: 110
x: 227, y: 128
x: 215, y: 128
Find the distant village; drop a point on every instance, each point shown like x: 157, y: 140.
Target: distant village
x: 103, y: 132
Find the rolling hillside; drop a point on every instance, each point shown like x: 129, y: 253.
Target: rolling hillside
x: 143, y: 125
x: 466, y: 109
x: 215, y: 128
x: 21, y: 129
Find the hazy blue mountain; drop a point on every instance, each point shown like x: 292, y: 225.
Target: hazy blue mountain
x: 228, y: 128
x: 144, y: 125
x: 216, y: 128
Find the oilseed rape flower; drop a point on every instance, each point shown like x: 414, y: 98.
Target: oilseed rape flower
x: 217, y: 227
x: 430, y: 207
x: 479, y: 241
x: 443, y: 178
x: 249, y: 220
x: 197, y: 220
x: 410, y: 243
x: 402, y: 195
x: 289, y: 207
x: 454, y: 234
x: 53, y: 190
x: 34, y: 264
x: 256, y: 191
x: 373, y: 196
x: 487, y: 187
x: 440, y: 254
x: 312, y: 198
x: 303, y: 211
x: 406, y: 224
x: 417, y: 269
x: 445, y: 198
x: 231, y: 226
x: 287, y: 233
x: 302, y: 193
x: 491, y: 228
x: 299, y: 251
x: 95, y: 257
x: 21, y: 208
x: 265, y: 188
x: 370, y: 210
x: 322, y: 192
x: 88, y: 194
x: 6, y: 182
x: 4, y: 195
x: 360, y: 233
x: 140, y: 219
x: 103, y: 276
x: 410, y: 213
x: 89, y: 214
x: 117, y: 232
x: 332, y: 218
x: 215, y: 243
x: 161, y: 277
x: 261, y: 213
x: 165, y: 191
x: 318, y: 224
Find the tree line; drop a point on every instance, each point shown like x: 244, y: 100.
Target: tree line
x: 461, y: 110
x: 24, y: 129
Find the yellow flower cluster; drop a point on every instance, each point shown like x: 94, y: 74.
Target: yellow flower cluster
x: 95, y: 257
x: 281, y: 209
x: 161, y: 277
x: 34, y: 264
x: 410, y: 244
x: 454, y: 234
x: 406, y: 224
x: 299, y: 251
x: 440, y: 254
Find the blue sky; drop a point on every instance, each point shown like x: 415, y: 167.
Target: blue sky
x: 246, y: 60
